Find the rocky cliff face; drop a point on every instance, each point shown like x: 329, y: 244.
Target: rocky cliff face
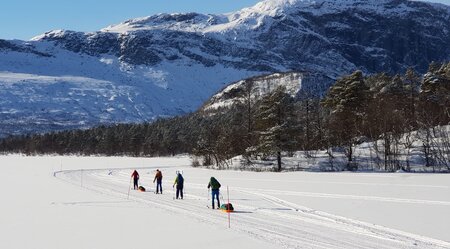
x: 255, y: 88
x: 169, y: 64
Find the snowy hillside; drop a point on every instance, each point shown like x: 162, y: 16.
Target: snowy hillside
x: 71, y: 90
x: 255, y: 88
x: 168, y: 64
x: 81, y: 202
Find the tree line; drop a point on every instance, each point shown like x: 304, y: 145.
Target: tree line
x: 381, y: 108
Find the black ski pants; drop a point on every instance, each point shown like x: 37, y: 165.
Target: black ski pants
x: 135, y: 183
x: 180, y: 191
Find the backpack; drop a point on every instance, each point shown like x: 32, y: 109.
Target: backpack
x: 214, y: 183
x: 180, y: 179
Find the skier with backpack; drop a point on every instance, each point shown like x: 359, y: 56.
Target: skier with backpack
x: 215, y: 186
x: 158, y: 179
x: 179, y: 181
x: 135, y: 177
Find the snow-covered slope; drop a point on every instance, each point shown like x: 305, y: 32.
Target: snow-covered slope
x: 296, y: 84
x: 81, y: 202
x: 169, y: 64
x: 255, y: 88
x: 72, y: 90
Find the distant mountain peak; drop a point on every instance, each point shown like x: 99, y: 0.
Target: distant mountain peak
x: 182, y: 21
x: 52, y: 33
x: 277, y: 7
x: 254, y: 16
x: 273, y: 7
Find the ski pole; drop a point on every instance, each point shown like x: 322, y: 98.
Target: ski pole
x: 129, y: 188
x: 228, y: 208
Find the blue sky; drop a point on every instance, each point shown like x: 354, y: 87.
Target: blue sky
x: 23, y: 19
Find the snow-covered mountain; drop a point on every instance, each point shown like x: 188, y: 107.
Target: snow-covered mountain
x: 169, y: 64
x: 296, y: 84
x: 255, y: 88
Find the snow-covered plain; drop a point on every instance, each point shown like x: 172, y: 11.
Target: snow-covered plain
x: 81, y: 202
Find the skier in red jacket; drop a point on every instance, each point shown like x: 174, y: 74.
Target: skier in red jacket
x: 135, y: 177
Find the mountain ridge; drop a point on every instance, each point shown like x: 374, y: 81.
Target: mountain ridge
x: 170, y: 64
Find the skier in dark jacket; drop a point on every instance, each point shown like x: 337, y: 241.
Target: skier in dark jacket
x: 215, y: 186
x: 158, y: 179
x: 179, y: 181
x: 135, y: 177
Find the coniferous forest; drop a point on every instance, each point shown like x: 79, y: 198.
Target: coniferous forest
x: 357, y: 108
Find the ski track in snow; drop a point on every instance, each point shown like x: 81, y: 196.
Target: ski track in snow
x: 355, y: 197
x: 259, y: 213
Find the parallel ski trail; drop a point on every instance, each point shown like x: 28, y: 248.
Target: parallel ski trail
x: 261, y: 216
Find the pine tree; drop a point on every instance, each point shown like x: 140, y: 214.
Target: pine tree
x: 435, y: 95
x: 347, y: 102
x: 274, y: 124
x: 392, y: 112
x: 412, y: 81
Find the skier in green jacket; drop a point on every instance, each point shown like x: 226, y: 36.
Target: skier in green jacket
x: 215, y: 186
